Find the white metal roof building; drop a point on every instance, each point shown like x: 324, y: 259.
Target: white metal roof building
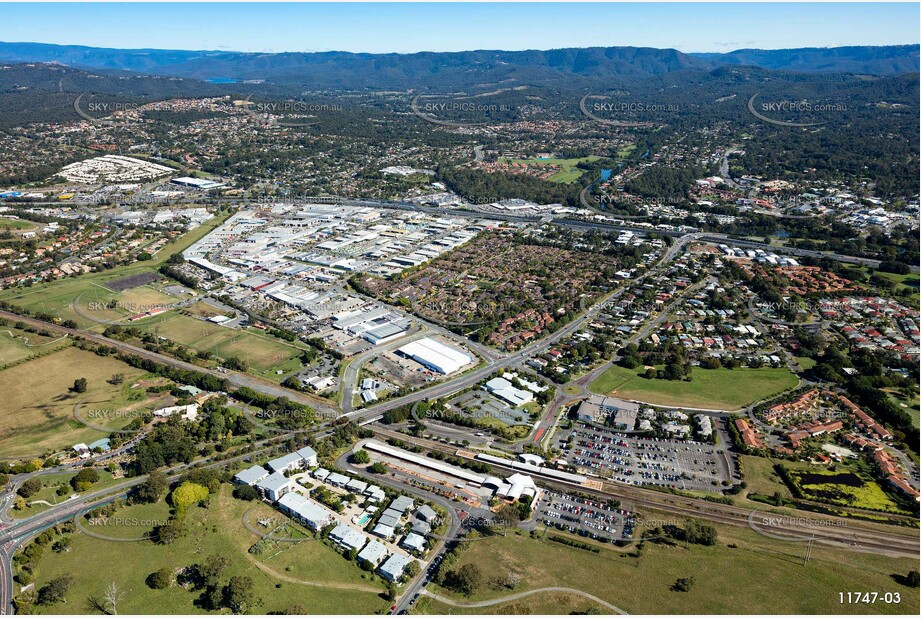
x: 414, y: 542
x: 311, y: 513
x: 374, y: 553
x: 347, y: 537
x: 275, y: 486
x: 251, y: 475
x: 435, y: 355
x: 392, y: 570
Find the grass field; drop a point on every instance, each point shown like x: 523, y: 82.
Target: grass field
x: 36, y: 410
x: 710, y: 388
x: 264, y: 353
x: 568, y: 173
x: 805, y: 362
x: 759, y: 575
x: 16, y: 224
x: 909, y: 281
x: 309, y: 574
x: 17, y: 345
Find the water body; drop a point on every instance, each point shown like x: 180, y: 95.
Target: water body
x: 605, y: 174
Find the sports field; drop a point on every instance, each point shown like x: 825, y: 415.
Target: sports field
x: 37, y: 407
x: 308, y: 574
x: 723, y: 389
x: 743, y: 579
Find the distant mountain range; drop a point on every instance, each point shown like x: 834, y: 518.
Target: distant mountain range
x: 444, y: 71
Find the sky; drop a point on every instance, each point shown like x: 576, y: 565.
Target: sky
x: 413, y: 27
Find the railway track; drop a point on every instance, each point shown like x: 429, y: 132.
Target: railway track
x: 834, y: 531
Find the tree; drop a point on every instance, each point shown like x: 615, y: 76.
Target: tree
x: 238, y: 594
x: 683, y: 584
x: 112, y: 597
x: 245, y: 492
x: 84, y: 479
x: 361, y: 457
x: 466, y: 579
x: 158, y: 580
x: 117, y: 379
x: 54, y: 591
x: 29, y: 488
x: 186, y: 495
x: 168, y: 532
x: 80, y: 385
x: 209, y: 571
x: 413, y: 569
x: 154, y: 488
x: 61, y: 545
x: 913, y: 579
x: 377, y: 468
x: 507, y: 516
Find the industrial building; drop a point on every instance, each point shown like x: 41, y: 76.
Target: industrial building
x: 435, y: 355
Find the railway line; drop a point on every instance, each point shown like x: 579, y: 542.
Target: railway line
x: 844, y: 533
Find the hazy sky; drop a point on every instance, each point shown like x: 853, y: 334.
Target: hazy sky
x: 408, y: 27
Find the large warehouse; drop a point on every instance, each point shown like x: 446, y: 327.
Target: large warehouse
x: 436, y: 356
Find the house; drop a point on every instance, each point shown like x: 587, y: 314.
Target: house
x: 374, y: 552
x: 347, y: 537
x: 426, y: 513
x: 414, y: 542
x: 81, y: 450
x: 274, y: 486
x: 321, y: 474
x: 384, y: 531
x: 356, y: 486
x: 309, y: 456
x: 312, y: 514
x: 402, y: 504
x: 393, y: 569
x: 250, y: 476
x: 338, y: 480
x: 286, y: 463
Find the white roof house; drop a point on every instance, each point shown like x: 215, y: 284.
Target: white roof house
x: 383, y: 531
x: 314, y: 515
x: 374, y: 552
x: 347, y: 537
x: 275, y: 485
x: 414, y: 542
x: 291, y: 461
x: 251, y: 475
x: 393, y: 569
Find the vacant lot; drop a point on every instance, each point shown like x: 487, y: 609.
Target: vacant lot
x: 318, y: 578
x: 37, y: 407
x: 17, y: 345
x: 18, y: 225
x: 760, y: 567
x: 264, y: 353
x: 728, y: 389
x: 845, y: 488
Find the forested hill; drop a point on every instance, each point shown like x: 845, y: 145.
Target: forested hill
x: 573, y: 67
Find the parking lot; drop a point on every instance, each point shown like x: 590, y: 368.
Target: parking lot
x: 635, y: 460
x: 588, y: 518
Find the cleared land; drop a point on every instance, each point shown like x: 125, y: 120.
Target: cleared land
x: 568, y: 172
x: 16, y: 224
x: 264, y: 353
x: 727, y: 580
x: 710, y: 388
x: 18, y: 345
x: 318, y: 578
x: 36, y: 410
